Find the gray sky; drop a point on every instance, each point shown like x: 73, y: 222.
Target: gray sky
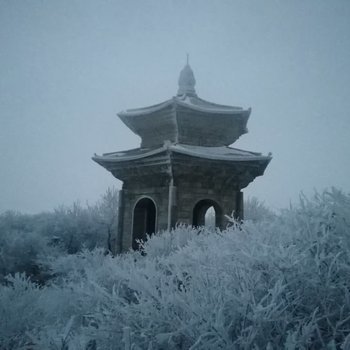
x: 67, y: 67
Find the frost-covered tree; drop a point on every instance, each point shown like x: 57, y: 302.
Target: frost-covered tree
x: 256, y: 210
x: 28, y: 241
x: 106, y: 211
x: 20, y: 246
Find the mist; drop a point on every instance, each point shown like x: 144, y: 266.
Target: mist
x: 67, y: 68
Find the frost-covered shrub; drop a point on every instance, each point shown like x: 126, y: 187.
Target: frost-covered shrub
x: 19, y: 311
x: 278, y: 284
x: 27, y: 242
x: 33, y: 317
x: 168, y: 242
x: 20, y: 249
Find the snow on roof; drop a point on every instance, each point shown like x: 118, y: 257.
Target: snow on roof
x: 197, y: 103
x: 192, y: 102
x: 133, y: 154
x: 217, y: 153
x: 213, y: 153
x: 146, y: 110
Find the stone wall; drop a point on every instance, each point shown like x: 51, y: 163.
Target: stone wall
x: 189, y: 195
x: 131, y: 196
x: 184, y: 198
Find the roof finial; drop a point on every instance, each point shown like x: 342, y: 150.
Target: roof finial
x: 187, y: 80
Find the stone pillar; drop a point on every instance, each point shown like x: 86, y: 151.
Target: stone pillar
x: 119, y: 245
x: 172, y: 206
x: 239, y: 212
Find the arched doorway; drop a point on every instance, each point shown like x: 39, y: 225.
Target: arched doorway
x: 144, y: 221
x: 207, y: 213
x: 210, y: 218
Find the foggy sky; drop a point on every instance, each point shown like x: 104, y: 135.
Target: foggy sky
x: 67, y: 67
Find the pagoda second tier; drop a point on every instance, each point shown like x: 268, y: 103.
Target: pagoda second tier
x: 187, y: 119
x: 173, y: 161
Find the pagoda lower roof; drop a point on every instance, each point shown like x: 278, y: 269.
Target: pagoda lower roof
x: 223, y: 153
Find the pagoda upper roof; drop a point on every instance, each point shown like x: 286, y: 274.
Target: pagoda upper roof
x: 187, y: 119
x: 192, y: 102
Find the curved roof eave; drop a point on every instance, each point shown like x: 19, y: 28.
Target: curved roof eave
x: 145, y: 110
x: 211, y: 153
x: 112, y: 158
x: 214, y: 108
x: 245, y: 156
x: 202, y: 106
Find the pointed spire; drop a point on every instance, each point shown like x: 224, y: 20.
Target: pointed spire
x: 186, y: 80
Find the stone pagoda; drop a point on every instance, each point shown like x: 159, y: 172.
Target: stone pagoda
x: 183, y: 166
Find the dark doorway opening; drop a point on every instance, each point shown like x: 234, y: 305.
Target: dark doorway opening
x: 207, y: 213
x: 144, y: 221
